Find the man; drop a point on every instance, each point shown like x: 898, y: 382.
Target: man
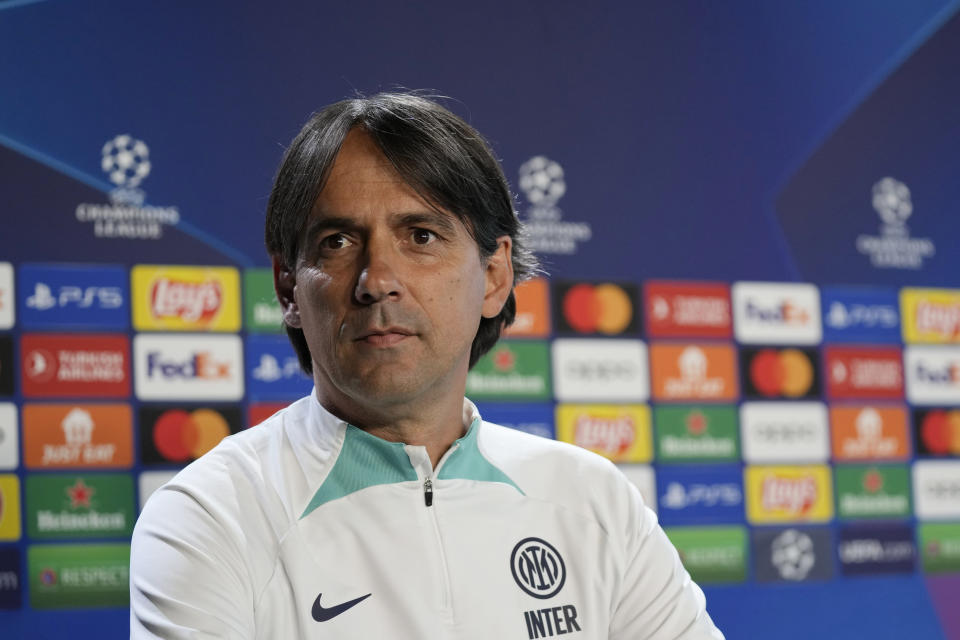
x: 381, y: 506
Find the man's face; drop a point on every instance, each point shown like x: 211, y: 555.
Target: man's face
x: 389, y: 292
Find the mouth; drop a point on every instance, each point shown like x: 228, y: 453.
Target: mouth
x: 384, y: 337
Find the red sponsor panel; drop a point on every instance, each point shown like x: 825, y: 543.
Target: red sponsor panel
x: 75, y: 365
x: 260, y: 411
x: 874, y: 373
x: 687, y: 309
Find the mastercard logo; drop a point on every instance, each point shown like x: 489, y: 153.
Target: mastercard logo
x: 781, y: 372
x: 597, y: 308
x: 180, y: 435
x: 940, y: 432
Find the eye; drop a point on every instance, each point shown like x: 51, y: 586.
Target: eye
x: 423, y: 236
x: 335, y: 241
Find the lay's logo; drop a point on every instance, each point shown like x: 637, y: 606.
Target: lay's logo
x: 621, y: 433
x: 186, y: 298
x: 788, y: 494
x: 930, y: 315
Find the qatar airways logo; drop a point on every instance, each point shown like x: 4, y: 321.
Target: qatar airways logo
x: 613, y: 436
x: 189, y: 301
x: 188, y: 367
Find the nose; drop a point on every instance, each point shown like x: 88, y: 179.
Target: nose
x: 378, y: 280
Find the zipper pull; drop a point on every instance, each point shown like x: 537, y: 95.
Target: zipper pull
x: 428, y: 492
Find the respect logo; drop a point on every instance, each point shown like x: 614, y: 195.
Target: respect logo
x: 185, y: 298
x: 621, y: 433
x: 788, y: 494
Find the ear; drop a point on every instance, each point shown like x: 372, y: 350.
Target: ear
x: 499, y: 277
x: 284, y: 282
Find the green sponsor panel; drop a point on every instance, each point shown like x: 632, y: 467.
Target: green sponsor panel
x: 68, y: 576
x: 696, y: 433
x: 261, y: 311
x: 712, y: 554
x: 940, y: 547
x: 79, y: 506
x: 512, y: 370
x: 872, y: 491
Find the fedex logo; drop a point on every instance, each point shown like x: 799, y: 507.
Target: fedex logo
x: 69, y: 296
x: 932, y: 374
x: 188, y: 367
x: 202, y: 365
x: 771, y: 312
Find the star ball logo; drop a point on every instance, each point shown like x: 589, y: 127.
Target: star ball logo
x: 894, y: 248
x: 543, y: 183
x: 177, y: 435
x: 778, y: 372
x: 595, y: 308
x: 538, y: 568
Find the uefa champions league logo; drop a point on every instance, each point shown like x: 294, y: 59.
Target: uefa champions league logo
x: 543, y: 184
x: 894, y: 248
x: 127, y: 162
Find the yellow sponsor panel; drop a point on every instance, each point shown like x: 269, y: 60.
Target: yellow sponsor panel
x: 619, y: 432
x: 175, y: 298
x: 930, y: 315
x: 9, y: 507
x: 788, y: 494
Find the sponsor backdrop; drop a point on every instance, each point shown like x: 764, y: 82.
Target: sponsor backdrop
x: 746, y: 213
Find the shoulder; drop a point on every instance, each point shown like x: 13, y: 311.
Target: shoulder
x: 562, y: 473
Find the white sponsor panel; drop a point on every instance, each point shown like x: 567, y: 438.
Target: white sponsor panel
x: 782, y: 432
x: 932, y: 374
x: 188, y: 367
x: 9, y: 436
x: 586, y: 370
x: 643, y: 477
x: 936, y: 489
x: 776, y: 312
x: 6, y: 295
x: 150, y: 481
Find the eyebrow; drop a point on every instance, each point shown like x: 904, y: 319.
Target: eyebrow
x: 442, y: 221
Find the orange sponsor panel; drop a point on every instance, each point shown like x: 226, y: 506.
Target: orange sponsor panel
x: 70, y: 436
x: 682, y: 372
x: 533, y: 310
x: 869, y: 433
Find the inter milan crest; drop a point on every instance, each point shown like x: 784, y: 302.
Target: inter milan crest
x: 538, y: 568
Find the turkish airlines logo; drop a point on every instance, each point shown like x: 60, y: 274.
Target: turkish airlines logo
x: 75, y: 365
x: 681, y: 309
x: 693, y: 372
x: 864, y: 373
x: 189, y: 301
x: 188, y: 367
x: 776, y: 312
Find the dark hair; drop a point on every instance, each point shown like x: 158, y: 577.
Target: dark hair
x: 440, y: 156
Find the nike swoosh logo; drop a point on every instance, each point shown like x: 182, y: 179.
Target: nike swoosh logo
x: 322, y: 614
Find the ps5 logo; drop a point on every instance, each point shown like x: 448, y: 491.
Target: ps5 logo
x: 44, y: 298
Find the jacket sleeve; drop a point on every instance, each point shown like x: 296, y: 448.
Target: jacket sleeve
x: 188, y: 576
x: 657, y: 600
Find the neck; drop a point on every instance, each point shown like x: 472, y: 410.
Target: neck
x: 434, y: 427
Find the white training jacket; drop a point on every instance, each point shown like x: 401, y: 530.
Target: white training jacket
x: 306, y: 527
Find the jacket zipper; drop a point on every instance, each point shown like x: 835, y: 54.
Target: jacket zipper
x: 428, y: 492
